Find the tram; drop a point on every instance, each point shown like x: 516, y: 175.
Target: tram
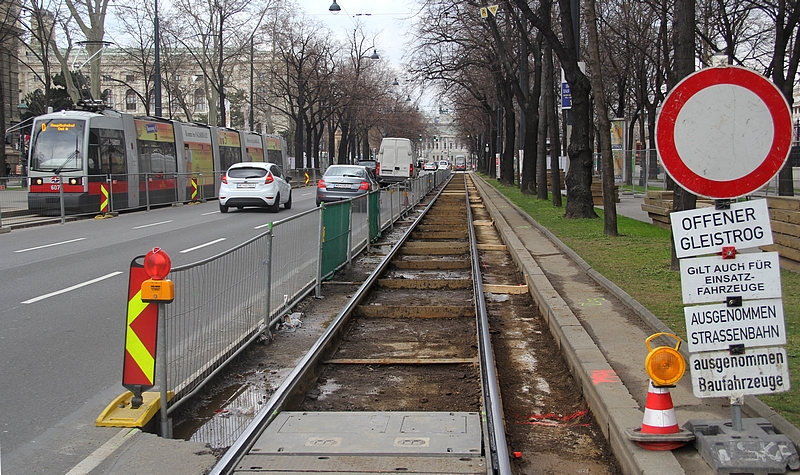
x: 77, y: 156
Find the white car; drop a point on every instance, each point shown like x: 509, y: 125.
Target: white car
x: 444, y: 165
x: 255, y: 184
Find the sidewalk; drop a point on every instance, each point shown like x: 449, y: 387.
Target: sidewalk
x: 630, y: 205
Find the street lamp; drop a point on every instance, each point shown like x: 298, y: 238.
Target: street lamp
x: 334, y: 8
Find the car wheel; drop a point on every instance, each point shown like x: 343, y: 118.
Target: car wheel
x: 288, y: 204
x: 318, y: 203
x: 223, y: 208
x: 275, y: 206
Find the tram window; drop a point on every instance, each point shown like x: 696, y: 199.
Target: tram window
x: 106, y: 152
x: 229, y: 156
x: 156, y: 157
x: 275, y: 156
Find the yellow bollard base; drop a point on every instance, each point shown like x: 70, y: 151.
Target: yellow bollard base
x: 120, y: 413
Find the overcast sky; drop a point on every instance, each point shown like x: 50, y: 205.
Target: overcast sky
x: 389, y: 20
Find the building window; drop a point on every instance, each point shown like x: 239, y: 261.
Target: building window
x: 129, y: 78
x: 199, y: 100
x: 130, y: 100
x: 108, y: 95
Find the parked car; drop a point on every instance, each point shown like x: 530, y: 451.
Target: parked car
x: 255, y: 184
x: 372, y: 165
x: 341, y: 182
x: 444, y: 165
x: 431, y: 166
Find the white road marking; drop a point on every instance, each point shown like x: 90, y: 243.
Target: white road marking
x: 50, y: 245
x: 92, y: 461
x: 262, y: 226
x: 202, y: 246
x: 210, y: 212
x: 69, y: 289
x: 152, y: 224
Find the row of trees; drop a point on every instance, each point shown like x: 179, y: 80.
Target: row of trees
x: 297, y: 69
x: 501, y: 73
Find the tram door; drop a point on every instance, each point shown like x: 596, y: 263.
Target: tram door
x: 196, y: 159
x: 227, y: 147
x: 108, y: 164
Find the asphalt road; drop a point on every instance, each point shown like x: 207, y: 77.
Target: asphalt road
x: 63, y: 297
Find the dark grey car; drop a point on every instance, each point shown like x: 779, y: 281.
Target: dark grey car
x: 341, y: 182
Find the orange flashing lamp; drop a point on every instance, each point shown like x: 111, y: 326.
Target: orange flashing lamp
x: 664, y: 365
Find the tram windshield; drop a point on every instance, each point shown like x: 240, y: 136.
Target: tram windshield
x: 57, y: 146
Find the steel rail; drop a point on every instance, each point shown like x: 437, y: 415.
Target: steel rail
x: 498, y: 448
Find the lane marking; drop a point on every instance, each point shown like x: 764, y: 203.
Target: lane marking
x: 98, y: 456
x: 152, y: 224
x: 261, y: 226
x: 69, y: 289
x: 202, y: 246
x: 50, y: 245
x: 210, y: 212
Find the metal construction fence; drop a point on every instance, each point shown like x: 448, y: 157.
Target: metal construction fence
x: 19, y: 205
x: 227, y: 301
x: 641, y: 170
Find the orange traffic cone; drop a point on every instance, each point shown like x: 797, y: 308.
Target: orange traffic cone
x: 660, y: 429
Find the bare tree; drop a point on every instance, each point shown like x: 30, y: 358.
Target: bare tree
x: 216, y: 33
x: 580, y: 203
x: 90, y: 16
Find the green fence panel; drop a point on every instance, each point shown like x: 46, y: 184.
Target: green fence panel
x: 374, y: 215
x: 336, y: 226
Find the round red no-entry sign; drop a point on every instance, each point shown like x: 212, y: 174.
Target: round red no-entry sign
x: 724, y: 132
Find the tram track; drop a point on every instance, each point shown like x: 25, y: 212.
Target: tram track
x: 411, y: 348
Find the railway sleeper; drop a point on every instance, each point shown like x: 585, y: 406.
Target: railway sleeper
x: 414, y: 311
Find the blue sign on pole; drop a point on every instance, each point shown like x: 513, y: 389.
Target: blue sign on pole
x: 566, y: 96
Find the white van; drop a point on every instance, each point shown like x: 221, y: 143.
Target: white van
x: 396, y: 159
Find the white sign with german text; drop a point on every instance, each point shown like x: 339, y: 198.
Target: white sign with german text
x: 713, y: 279
x: 717, y: 327
x: 708, y: 230
x: 757, y: 371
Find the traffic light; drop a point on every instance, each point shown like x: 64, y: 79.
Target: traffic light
x: 435, y: 139
x: 420, y: 137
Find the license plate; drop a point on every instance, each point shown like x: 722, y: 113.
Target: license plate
x: 245, y: 185
x: 342, y: 185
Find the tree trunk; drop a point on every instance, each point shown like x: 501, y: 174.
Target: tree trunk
x: 603, y: 124
x: 507, y: 160
x: 531, y: 138
x: 684, y: 65
x: 579, y: 176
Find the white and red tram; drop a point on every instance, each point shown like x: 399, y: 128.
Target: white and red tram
x: 140, y: 161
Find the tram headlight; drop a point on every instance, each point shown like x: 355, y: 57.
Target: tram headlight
x: 37, y: 181
x: 75, y: 181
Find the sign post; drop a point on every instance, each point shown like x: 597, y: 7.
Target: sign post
x: 723, y: 133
